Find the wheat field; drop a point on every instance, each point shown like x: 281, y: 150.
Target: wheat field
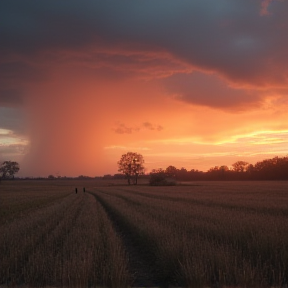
x: 198, y: 234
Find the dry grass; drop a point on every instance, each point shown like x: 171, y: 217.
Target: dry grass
x: 211, y: 234
x: 68, y: 242
x: 208, y: 234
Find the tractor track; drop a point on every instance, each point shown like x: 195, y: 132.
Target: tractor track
x: 144, y: 273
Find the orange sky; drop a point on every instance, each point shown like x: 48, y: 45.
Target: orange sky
x: 195, y: 100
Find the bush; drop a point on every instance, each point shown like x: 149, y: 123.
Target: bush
x: 159, y: 179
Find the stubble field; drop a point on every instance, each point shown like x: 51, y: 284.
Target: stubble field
x: 205, y: 234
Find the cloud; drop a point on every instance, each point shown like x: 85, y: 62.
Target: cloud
x: 265, y: 5
x: 150, y: 126
x: 123, y: 129
x: 12, y: 146
x: 13, y: 118
x: 13, y: 150
x: 209, y: 90
x: 10, y: 98
x: 10, y: 70
x: 127, y: 148
x: 229, y: 38
x: 69, y: 70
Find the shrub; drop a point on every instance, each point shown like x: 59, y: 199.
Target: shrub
x: 159, y: 179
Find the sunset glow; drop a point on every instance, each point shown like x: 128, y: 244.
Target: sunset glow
x: 192, y: 84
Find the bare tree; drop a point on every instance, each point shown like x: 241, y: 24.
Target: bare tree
x: 131, y: 164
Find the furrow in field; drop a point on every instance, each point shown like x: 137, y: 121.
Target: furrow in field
x: 70, y: 244
x: 211, y: 203
x: 141, y: 261
x: 241, y: 229
x: 22, y: 201
x: 39, y: 270
x: 21, y: 210
x: 85, y: 239
x: 21, y: 238
x: 104, y: 247
x: 196, y: 245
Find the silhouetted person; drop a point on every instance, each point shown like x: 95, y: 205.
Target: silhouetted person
x: 84, y: 189
x: 76, y: 190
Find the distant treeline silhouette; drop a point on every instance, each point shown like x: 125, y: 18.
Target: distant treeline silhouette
x: 268, y: 169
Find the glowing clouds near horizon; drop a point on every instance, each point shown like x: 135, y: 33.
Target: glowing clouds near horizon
x: 74, y: 117
x: 183, y: 83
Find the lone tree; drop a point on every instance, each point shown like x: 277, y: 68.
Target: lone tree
x: 8, y: 169
x: 131, y: 164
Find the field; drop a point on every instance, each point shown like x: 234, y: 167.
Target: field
x: 201, y: 234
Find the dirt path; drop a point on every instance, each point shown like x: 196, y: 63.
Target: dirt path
x: 141, y: 268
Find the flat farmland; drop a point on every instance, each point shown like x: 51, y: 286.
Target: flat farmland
x: 198, y: 234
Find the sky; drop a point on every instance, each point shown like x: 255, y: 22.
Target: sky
x: 190, y: 83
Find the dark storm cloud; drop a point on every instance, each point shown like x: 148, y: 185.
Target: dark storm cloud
x: 12, y: 119
x: 233, y: 38
x: 20, y: 70
x: 29, y: 26
x: 10, y: 98
x: 193, y: 88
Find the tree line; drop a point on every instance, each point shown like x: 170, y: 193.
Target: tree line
x: 131, y: 165
x: 269, y: 169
